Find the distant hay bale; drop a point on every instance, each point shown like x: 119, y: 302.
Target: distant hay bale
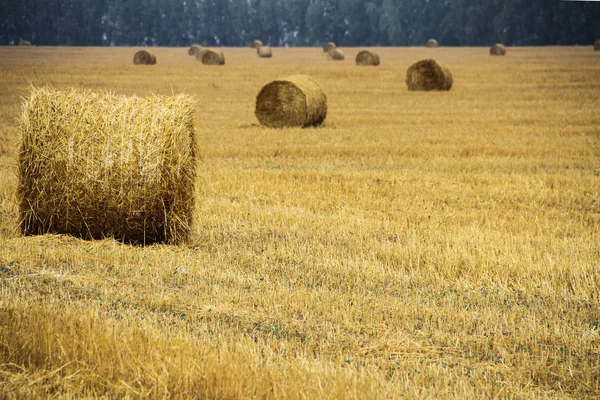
x: 264, y: 52
x: 194, y: 50
x: 256, y: 44
x: 201, y: 54
x: 366, y: 57
x: 97, y: 165
x: 431, y: 43
x: 213, y: 57
x: 297, y: 100
x: 327, y: 47
x: 24, y: 42
x: 144, y: 57
x: 597, y: 45
x: 498, y: 50
x: 335, y: 54
x: 428, y: 75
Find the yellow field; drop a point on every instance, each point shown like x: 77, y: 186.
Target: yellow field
x: 418, y: 245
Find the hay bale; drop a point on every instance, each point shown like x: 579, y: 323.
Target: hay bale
x: 144, y: 57
x: 431, y: 43
x: 297, y: 100
x: 597, y: 45
x: 498, y: 50
x: 336, y: 55
x: 264, y: 52
x: 256, y: 44
x: 194, y: 50
x: 96, y: 165
x: 213, y: 57
x: 201, y: 54
x: 24, y: 42
x: 367, y: 57
x: 327, y: 47
x: 428, y: 75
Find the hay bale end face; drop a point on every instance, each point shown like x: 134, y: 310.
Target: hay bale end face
x: 431, y: 43
x: 498, y: 50
x: 194, y: 50
x: 256, y: 44
x: 336, y: 55
x: 98, y: 165
x: 24, y: 43
x: 327, y: 47
x: 213, y: 57
x: 367, y: 58
x: 428, y: 75
x: 144, y: 57
x: 597, y: 45
x: 264, y: 52
x: 295, y: 101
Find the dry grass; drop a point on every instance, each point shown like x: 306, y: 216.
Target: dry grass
x: 417, y: 245
x: 96, y: 165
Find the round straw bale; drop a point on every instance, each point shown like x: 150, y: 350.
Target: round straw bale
x: 24, y: 42
x: 194, y: 50
x: 328, y: 46
x: 213, y: 57
x: 264, y: 52
x: 335, y: 54
x: 597, y: 45
x: 498, y: 50
x: 367, y: 57
x: 144, y: 57
x: 431, y: 43
x: 201, y: 54
x: 256, y: 44
x: 428, y: 75
x: 297, y: 100
x: 96, y: 165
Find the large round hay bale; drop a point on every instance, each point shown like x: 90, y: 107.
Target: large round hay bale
x: 328, y: 47
x: 97, y: 165
x: 597, y: 45
x: 428, y: 75
x: 144, y: 57
x: 335, y: 54
x: 366, y: 57
x: 498, y: 50
x: 213, y: 57
x: 24, y: 42
x: 431, y: 43
x: 264, y: 52
x: 297, y: 100
x: 201, y: 54
x: 194, y: 50
x: 256, y: 44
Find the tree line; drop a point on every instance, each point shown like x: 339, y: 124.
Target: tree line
x: 298, y: 22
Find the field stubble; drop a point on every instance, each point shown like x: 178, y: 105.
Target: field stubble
x: 417, y: 245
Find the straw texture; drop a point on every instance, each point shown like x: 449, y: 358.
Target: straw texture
x: 144, y: 57
x: 194, y: 50
x: 428, y: 75
x: 431, y: 43
x: 367, y: 58
x: 297, y: 100
x: 498, y: 50
x: 212, y: 57
x: 99, y: 165
x: 328, y: 46
x: 264, y: 52
x: 336, y: 55
x: 256, y: 44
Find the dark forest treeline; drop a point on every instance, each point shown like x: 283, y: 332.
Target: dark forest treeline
x: 298, y: 22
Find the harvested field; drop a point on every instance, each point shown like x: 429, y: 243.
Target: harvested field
x: 414, y: 245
